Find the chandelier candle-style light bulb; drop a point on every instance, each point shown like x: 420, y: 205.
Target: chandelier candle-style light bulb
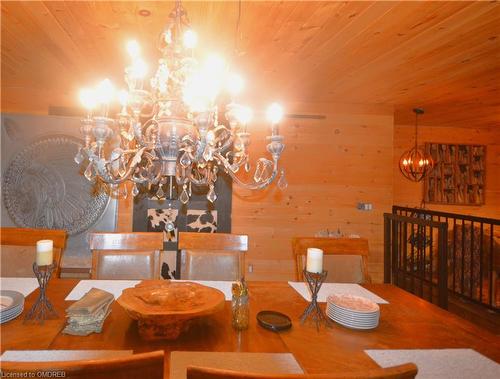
x: 133, y: 49
x: 88, y: 100
x: 139, y: 69
x: 235, y: 84
x: 190, y: 39
x: 215, y: 65
x: 169, y: 137
x: 105, y: 91
x: 274, y: 115
x: 123, y: 98
x: 244, y: 115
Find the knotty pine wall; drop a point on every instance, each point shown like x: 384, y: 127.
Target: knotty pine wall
x: 407, y: 193
x: 331, y: 164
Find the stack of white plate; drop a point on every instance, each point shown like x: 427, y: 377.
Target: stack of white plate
x: 353, y: 311
x: 11, y: 305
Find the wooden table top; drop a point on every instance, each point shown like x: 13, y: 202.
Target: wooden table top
x: 407, y: 322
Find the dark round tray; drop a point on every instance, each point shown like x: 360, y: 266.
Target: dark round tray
x: 274, y: 321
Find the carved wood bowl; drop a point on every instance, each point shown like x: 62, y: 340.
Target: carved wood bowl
x: 164, y: 309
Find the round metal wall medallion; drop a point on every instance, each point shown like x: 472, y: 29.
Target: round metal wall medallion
x: 43, y: 188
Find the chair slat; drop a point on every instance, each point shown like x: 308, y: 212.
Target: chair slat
x: 212, y: 241
x: 126, y: 241
x: 29, y: 237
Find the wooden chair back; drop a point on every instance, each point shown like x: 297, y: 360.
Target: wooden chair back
x: 211, y: 256
x: 126, y: 255
x: 405, y: 371
x: 354, y: 251
x: 19, y: 248
x: 144, y: 365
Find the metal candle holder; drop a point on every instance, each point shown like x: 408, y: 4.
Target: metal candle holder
x: 314, y: 281
x: 42, y: 309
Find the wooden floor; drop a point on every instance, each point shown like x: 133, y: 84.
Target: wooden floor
x: 475, y: 313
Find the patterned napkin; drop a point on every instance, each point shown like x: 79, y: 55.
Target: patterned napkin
x: 87, y: 315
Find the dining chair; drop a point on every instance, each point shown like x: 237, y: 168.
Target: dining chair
x: 345, y: 259
x: 126, y: 255
x: 18, y: 250
x: 211, y: 256
x: 404, y: 371
x: 144, y: 365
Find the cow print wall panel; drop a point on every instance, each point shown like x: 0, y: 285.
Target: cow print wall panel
x: 171, y: 217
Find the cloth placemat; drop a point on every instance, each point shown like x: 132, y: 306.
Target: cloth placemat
x: 23, y: 285
x: 262, y: 363
x: 336, y: 288
x: 115, y: 287
x: 440, y: 363
x: 60, y: 355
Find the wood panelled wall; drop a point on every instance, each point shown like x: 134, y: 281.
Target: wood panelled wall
x: 331, y: 164
x: 407, y: 193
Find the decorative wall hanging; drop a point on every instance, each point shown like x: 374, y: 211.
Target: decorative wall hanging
x: 459, y: 174
x: 415, y: 164
x: 163, y: 220
x: 203, y: 221
x: 42, y: 189
x: 168, y: 264
x: 172, y: 217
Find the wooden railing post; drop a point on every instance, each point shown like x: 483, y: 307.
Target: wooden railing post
x: 443, y: 265
x: 387, y: 249
x: 395, y: 253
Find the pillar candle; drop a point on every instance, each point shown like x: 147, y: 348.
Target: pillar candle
x: 314, y: 260
x: 44, y: 253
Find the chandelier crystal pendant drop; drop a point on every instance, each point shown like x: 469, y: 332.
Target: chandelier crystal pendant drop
x: 415, y: 164
x: 170, y: 139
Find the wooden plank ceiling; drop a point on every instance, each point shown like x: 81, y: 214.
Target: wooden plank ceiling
x: 440, y: 55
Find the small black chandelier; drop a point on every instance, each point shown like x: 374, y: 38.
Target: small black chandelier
x: 415, y: 164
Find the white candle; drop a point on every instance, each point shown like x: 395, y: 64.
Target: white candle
x: 44, y: 252
x: 314, y: 260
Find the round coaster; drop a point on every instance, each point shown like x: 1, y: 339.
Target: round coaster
x: 274, y: 321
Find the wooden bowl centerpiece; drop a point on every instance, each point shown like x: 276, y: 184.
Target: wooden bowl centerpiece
x: 164, y: 309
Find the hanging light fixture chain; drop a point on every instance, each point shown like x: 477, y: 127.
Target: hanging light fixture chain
x: 416, y: 130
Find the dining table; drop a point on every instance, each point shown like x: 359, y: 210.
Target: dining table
x: 406, y: 322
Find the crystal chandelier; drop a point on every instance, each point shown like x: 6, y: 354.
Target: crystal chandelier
x: 172, y: 138
x: 415, y: 164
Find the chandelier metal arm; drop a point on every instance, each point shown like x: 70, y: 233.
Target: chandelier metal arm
x: 105, y: 171
x: 253, y: 185
x: 197, y: 182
